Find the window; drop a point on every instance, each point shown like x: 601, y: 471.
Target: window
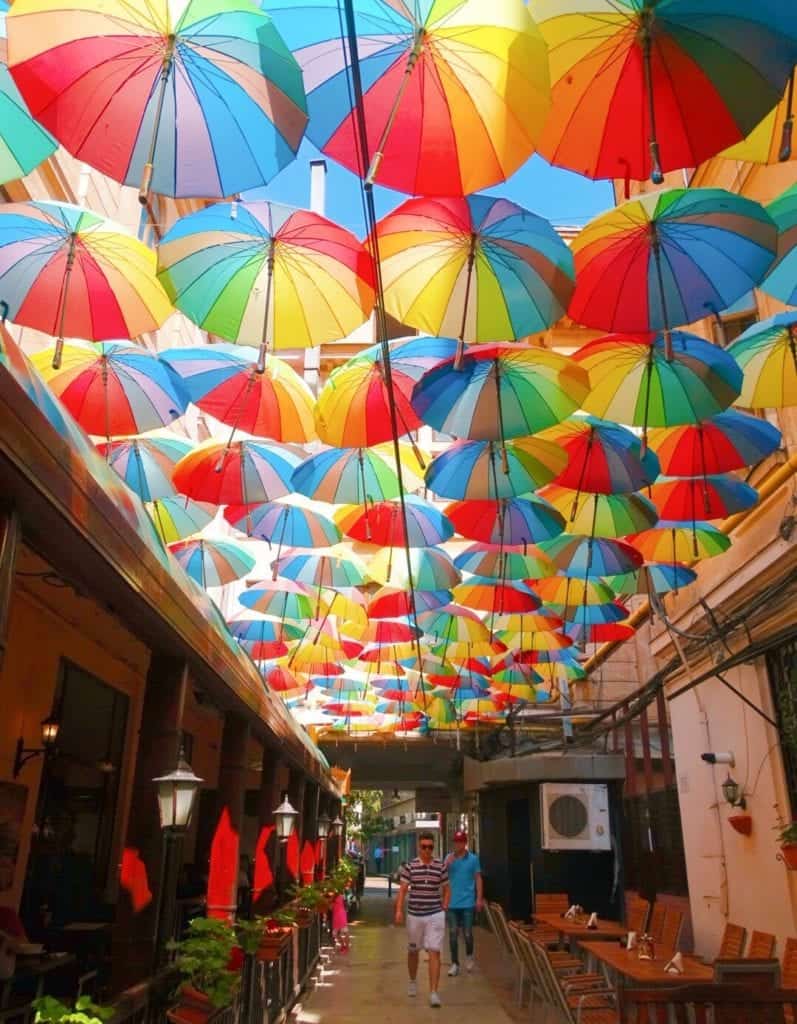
x: 782, y: 669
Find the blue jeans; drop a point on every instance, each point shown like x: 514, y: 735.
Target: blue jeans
x: 462, y: 918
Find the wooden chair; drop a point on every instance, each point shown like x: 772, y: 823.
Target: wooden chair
x: 509, y: 939
x: 762, y: 946
x: 656, y: 920
x: 637, y: 916
x: 592, y: 1006
x: 701, y: 1004
x: 732, y: 944
x: 671, y: 930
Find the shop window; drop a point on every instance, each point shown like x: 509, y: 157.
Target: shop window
x: 782, y: 669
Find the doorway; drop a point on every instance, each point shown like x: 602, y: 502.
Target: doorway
x: 518, y: 835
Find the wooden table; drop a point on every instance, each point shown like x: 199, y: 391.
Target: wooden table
x: 576, y: 930
x: 631, y: 971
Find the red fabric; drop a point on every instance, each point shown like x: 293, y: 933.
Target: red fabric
x: 264, y: 876
x: 223, y: 877
x: 133, y: 879
x: 292, y: 856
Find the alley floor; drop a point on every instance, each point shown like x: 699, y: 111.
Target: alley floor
x: 369, y: 983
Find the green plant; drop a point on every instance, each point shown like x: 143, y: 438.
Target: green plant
x: 281, y: 918
x: 787, y: 833
x: 203, y: 959
x: 52, y: 1011
x: 309, y: 897
x: 250, y: 934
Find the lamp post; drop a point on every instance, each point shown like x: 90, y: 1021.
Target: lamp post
x: 177, y: 793
x: 336, y: 827
x: 323, y: 830
x: 284, y: 823
x: 50, y: 728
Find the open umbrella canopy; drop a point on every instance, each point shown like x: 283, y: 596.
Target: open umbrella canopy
x: 728, y: 441
x: 569, y: 591
x: 160, y: 93
x: 353, y: 409
x: 770, y: 141
x: 507, y: 521
x: 690, y: 499
x: 498, y: 562
x: 287, y: 526
x: 430, y: 568
x: 177, y: 518
x: 780, y: 281
x: 71, y: 273
x: 454, y: 96
x: 496, y: 392
x: 654, y: 578
x: 382, y: 523
x: 114, y: 388
x: 212, y: 563
x: 454, y: 624
x: 390, y: 602
x: 603, y: 457
x: 486, y: 470
x: 146, y: 464
x: 267, y: 275
x: 496, y: 598
x: 640, y: 88
x: 587, y: 557
x: 282, y: 599
x: 411, y: 356
x: 240, y: 473
x: 602, y: 515
x: 669, y: 258
x: 276, y: 403
x: 674, y: 543
x: 355, y: 476
x: 321, y: 570
x: 476, y: 268
x: 23, y: 142
x: 767, y: 354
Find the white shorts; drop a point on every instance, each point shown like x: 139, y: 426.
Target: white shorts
x: 426, y: 932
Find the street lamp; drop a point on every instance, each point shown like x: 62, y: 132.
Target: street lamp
x: 732, y: 792
x: 324, y: 825
x: 50, y: 727
x: 336, y: 826
x: 285, y: 819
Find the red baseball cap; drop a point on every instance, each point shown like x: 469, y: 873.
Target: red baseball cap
x: 460, y: 837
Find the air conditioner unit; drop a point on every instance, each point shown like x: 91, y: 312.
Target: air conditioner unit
x: 575, y: 817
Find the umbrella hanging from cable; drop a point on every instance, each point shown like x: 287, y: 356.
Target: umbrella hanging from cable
x: 781, y: 281
x: 286, y: 526
x: 674, y: 543
x: 392, y: 602
x: 602, y: 515
x: 146, y: 464
x: 767, y: 355
x: 499, y: 562
x: 425, y: 569
x: 382, y: 523
x: 353, y: 408
x: 590, y: 557
x: 508, y: 521
x: 212, y: 563
x: 238, y: 473
x: 177, y: 518
x: 485, y: 470
x: 354, y: 476
x: 770, y: 141
x: 689, y: 499
x: 653, y: 578
x: 281, y: 599
x: 728, y: 441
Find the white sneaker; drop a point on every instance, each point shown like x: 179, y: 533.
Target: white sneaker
x: 453, y: 970
x: 469, y: 965
x: 434, y: 1000
x: 412, y: 988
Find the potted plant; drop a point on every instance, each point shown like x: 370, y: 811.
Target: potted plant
x: 787, y: 837
x: 206, y: 960
x: 52, y: 1011
x: 309, y: 900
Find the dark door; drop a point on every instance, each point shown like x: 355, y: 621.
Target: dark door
x: 518, y: 835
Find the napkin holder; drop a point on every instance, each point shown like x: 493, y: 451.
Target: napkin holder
x: 570, y: 913
x: 630, y: 942
x: 676, y: 965
x: 592, y: 924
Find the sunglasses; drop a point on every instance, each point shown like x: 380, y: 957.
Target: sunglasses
x: 427, y: 846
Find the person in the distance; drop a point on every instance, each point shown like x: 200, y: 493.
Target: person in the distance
x: 467, y: 896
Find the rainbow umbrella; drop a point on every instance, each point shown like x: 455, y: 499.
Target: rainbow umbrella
x: 178, y: 518
x: 670, y: 258
x: 537, y: 642
x: 495, y: 598
x: 495, y: 561
x: 587, y: 557
x: 114, y: 388
x: 674, y: 543
x: 475, y: 268
x: 603, y: 457
x: 569, y: 591
x: 390, y: 602
x: 212, y: 563
x: 287, y: 526
x: 355, y: 476
x: 71, y: 273
x: 771, y: 140
x: 146, y: 464
x: 767, y: 354
x: 321, y: 570
x: 781, y: 281
x: 264, y: 638
x: 431, y: 568
x: 266, y: 275
x: 454, y: 624
x: 276, y: 403
x: 654, y: 578
x: 162, y: 95
x: 689, y: 499
x: 412, y: 356
x: 281, y: 680
x: 454, y: 96
x: 281, y: 599
x: 500, y: 391
x: 23, y: 142
x: 486, y: 470
x: 382, y: 523
x: 642, y: 87
x: 239, y: 473
x: 594, y: 615
x: 634, y: 382
x: 508, y: 521
x: 353, y: 409
x: 602, y: 632
x: 602, y: 515
x: 385, y: 631
x: 728, y: 441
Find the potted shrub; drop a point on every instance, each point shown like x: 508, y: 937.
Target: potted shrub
x: 53, y: 1011
x: 309, y: 900
x: 787, y: 837
x: 207, y: 962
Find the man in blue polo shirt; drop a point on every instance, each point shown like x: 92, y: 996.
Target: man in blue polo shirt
x: 465, y: 881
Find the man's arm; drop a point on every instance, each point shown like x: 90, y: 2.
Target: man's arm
x: 402, y: 895
x: 479, y: 891
x: 445, y: 895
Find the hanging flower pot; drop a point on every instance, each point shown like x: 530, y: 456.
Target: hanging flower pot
x: 742, y: 823
x: 788, y: 853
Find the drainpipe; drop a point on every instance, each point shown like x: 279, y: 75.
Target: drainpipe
x: 318, y: 204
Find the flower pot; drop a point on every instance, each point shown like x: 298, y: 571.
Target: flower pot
x: 304, y: 917
x: 788, y: 852
x: 272, y: 944
x: 193, y: 1007
x: 742, y: 823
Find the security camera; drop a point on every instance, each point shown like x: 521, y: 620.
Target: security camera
x: 718, y: 758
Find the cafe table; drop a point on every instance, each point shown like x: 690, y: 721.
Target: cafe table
x: 631, y: 972
x: 575, y: 930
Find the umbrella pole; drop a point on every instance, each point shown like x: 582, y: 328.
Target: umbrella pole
x: 788, y: 125
x: 656, y: 175
x: 412, y: 60
x: 504, y: 459
x: 466, y: 302
x: 793, y: 344
x: 648, y: 385
x: 261, y: 357
x: 660, y: 277
x: 146, y: 178
x: 70, y: 262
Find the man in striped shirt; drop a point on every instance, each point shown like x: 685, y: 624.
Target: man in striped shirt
x: 424, y: 888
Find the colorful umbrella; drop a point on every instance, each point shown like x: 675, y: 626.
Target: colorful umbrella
x: 454, y: 96
x: 670, y: 258
x: 689, y: 499
x: 264, y: 638
x: 160, y: 94
x: 771, y: 140
x: 385, y: 631
x: 495, y: 598
x: 594, y: 614
x: 542, y: 621
x: 728, y: 441
x: 602, y: 515
x: 282, y: 599
x: 633, y: 381
x: 431, y: 568
x: 177, y: 518
x: 355, y: 476
x: 353, y: 409
x: 276, y: 403
x: 655, y: 578
x: 287, y: 526
x: 70, y: 273
x: 587, y: 557
x: 568, y: 591
x: 260, y: 274
x: 454, y: 624
x: 146, y: 464
x: 674, y: 543
x: 781, y: 281
x: 389, y: 602
x: 541, y: 641
x: 485, y: 470
x: 212, y: 563
x: 382, y: 523
x: 767, y: 354
x: 412, y: 356
x: 114, y: 388
x: 475, y: 268
x: 603, y: 457
x: 240, y: 473
x: 500, y: 391
x: 508, y: 521
x: 495, y: 561
x: 644, y: 87
x: 23, y: 142
x: 321, y: 570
